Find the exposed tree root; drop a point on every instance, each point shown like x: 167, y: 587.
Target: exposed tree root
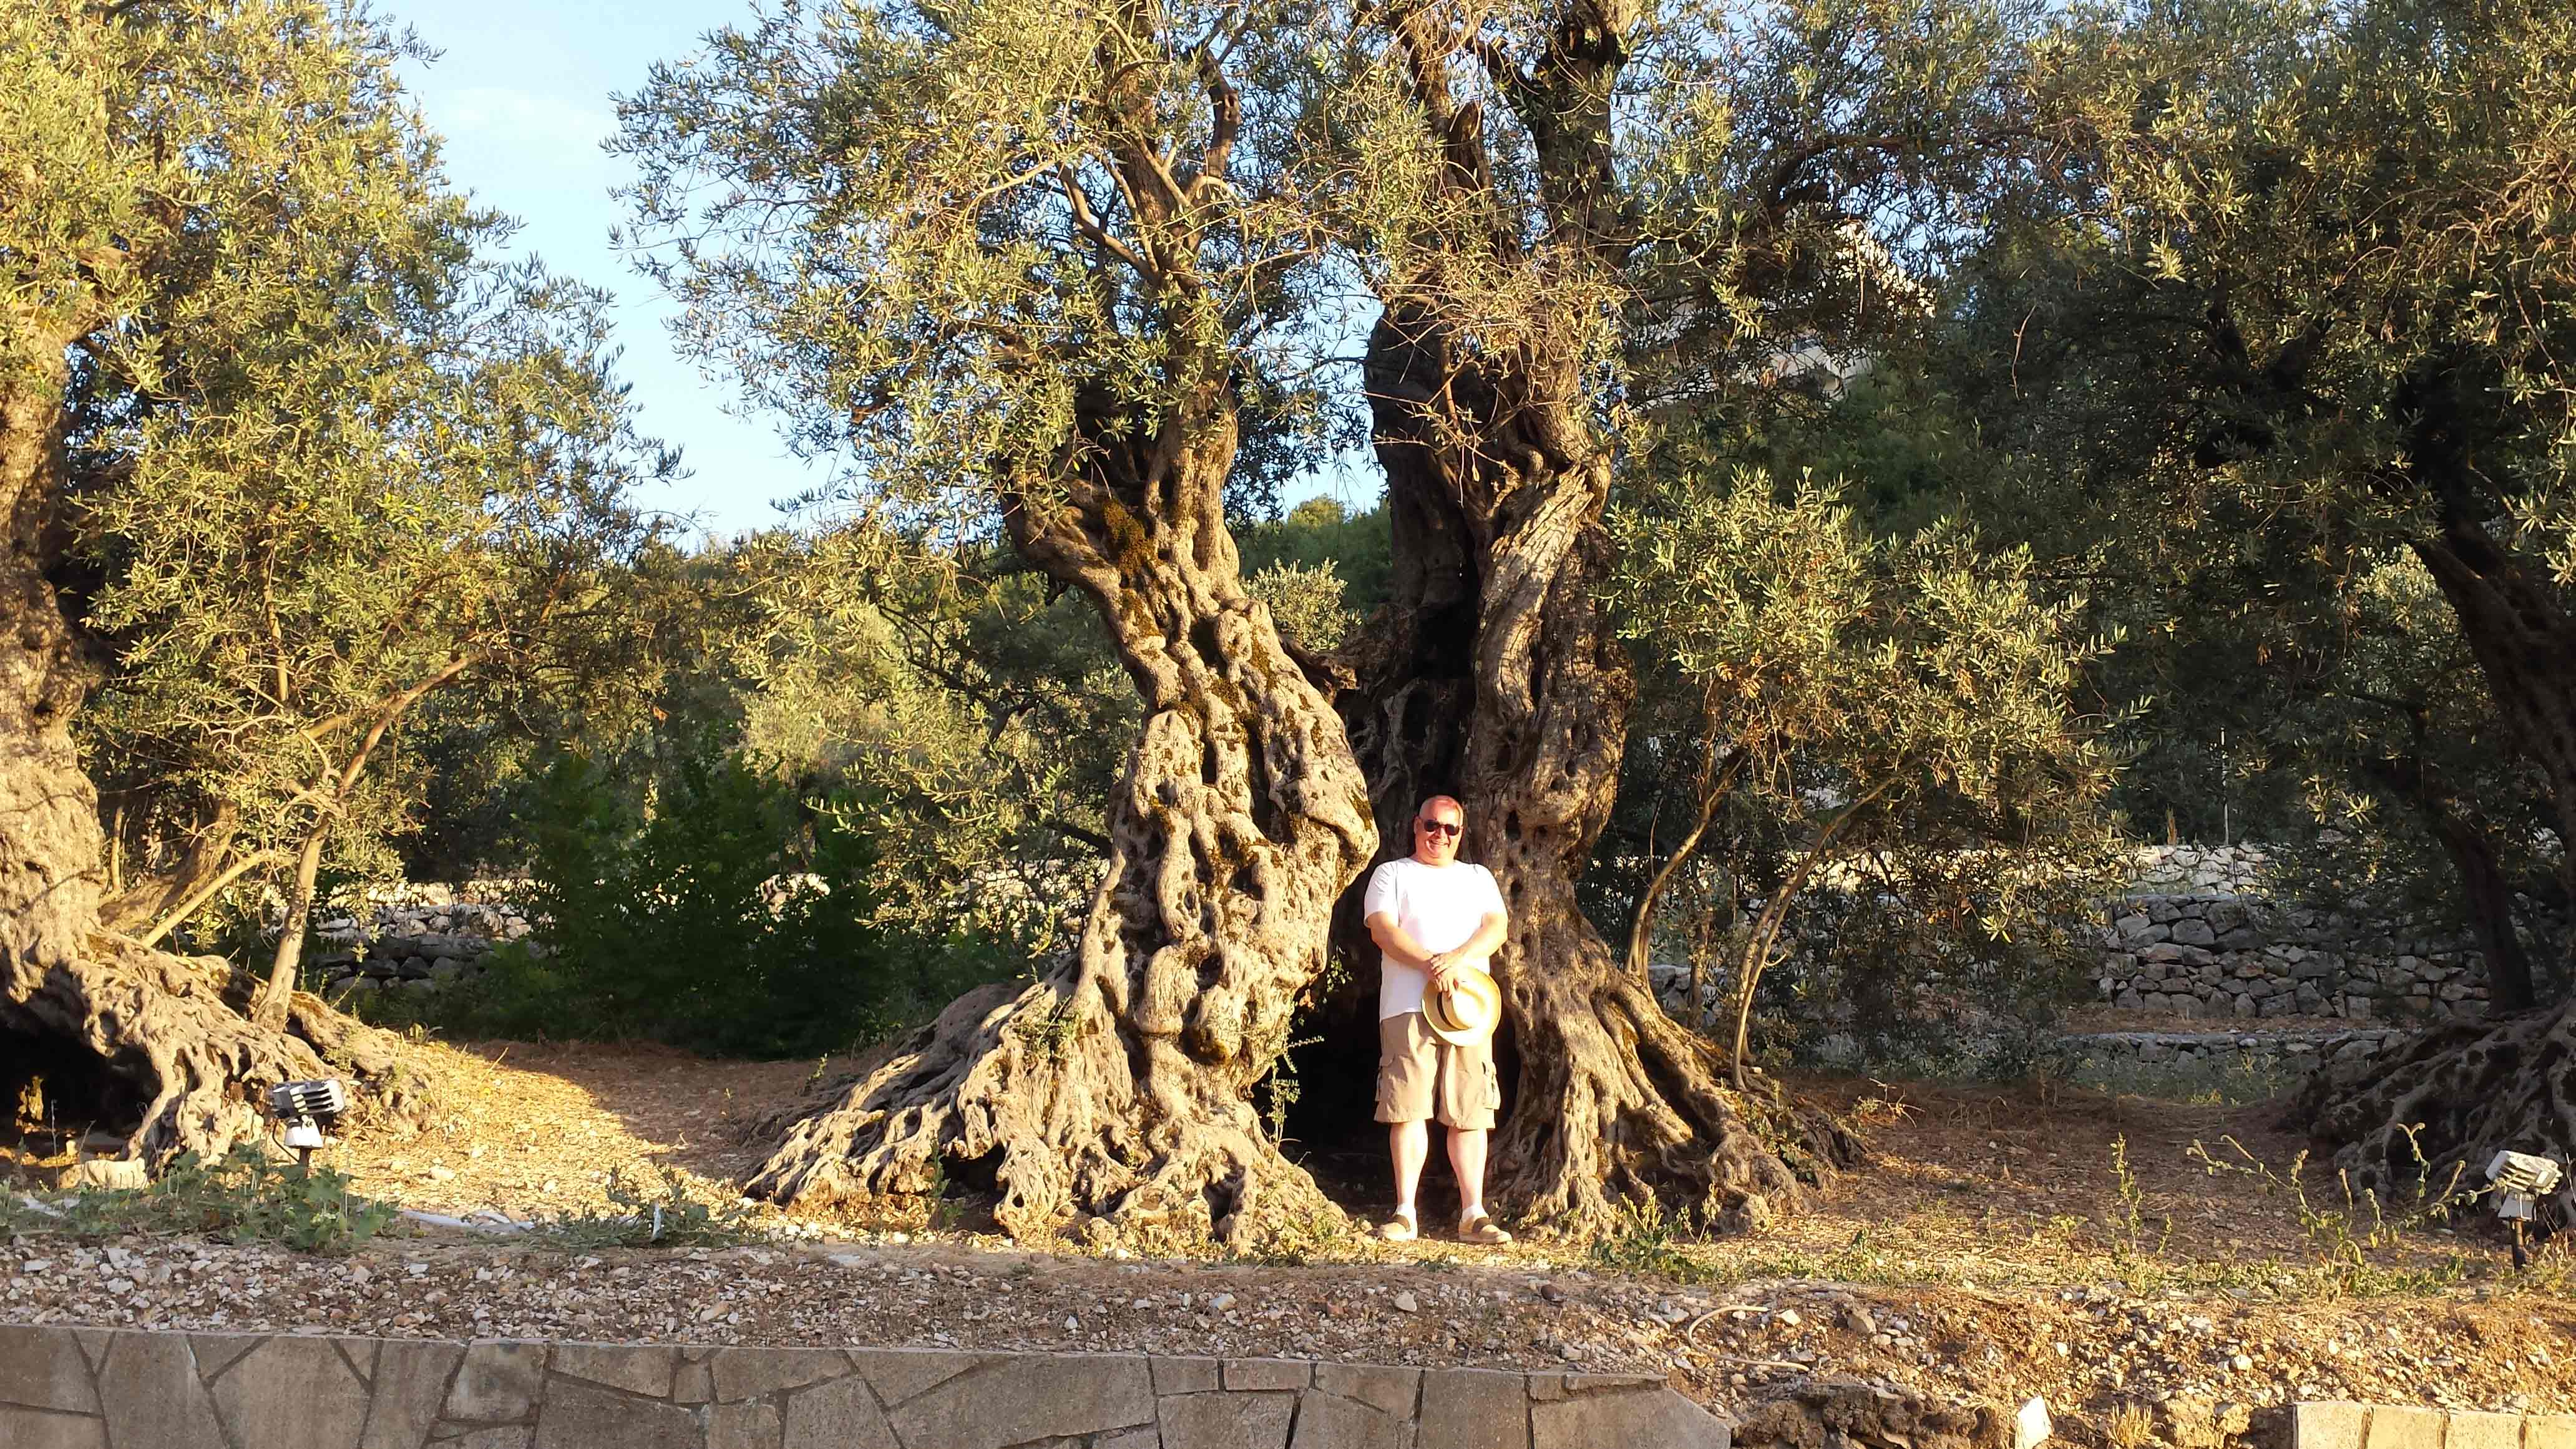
x: 2427, y: 1114
x: 172, y: 1065
x: 1079, y: 1122
x: 1622, y: 1105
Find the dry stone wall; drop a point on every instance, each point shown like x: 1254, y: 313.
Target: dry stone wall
x: 417, y: 936
x: 2256, y: 1054
x: 90, y: 1388
x: 2199, y: 936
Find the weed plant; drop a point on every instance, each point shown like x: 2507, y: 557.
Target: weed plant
x: 648, y: 1215
x: 244, y: 1196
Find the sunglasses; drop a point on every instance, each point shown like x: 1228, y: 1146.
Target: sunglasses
x: 1439, y: 827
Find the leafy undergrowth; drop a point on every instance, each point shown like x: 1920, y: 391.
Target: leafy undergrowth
x: 245, y: 1196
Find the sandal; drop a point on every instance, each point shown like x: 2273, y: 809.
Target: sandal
x: 1399, y: 1229
x: 1481, y: 1229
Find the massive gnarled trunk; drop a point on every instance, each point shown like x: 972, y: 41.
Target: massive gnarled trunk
x: 1495, y: 610
x: 91, y: 1024
x: 1494, y: 676
x: 1120, y: 1088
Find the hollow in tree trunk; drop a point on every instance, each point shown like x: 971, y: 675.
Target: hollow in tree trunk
x: 1119, y: 1089
x: 142, y: 1042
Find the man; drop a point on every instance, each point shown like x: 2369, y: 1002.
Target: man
x: 1434, y: 917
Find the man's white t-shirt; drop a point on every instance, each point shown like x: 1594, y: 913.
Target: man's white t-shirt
x: 1439, y: 906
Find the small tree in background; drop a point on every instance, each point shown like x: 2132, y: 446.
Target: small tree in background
x: 1904, y: 706
x: 195, y: 192
x: 373, y: 514
x: 727, y: 918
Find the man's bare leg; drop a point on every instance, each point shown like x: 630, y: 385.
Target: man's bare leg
x: 1467, y: 1156
x: 1410, y: 1145
x: 1467, y: 1159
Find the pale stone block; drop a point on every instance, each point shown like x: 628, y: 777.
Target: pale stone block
x: 1184, y: 1375
x: 1634, y: 1416
x: 1227, y: 1420
x: 1018, y: 1400
x: 748, y: 1373
x: 410, y: 1383
x: 217, y: 1352
x: 1327, y: 1422
x: 2328, y: 1424
x: 149, y: 1391
x: 695, y: 1383
x: 43, y: 1368
x: 638, y: 1368
x: 898, y: 1374
x: 1387, y: 1390
x: 42, y: 1429
x: 2549, y: 1431
x: 2484, y: 1431
x: 577, y: 1416
x: 841, y: 1414
x: 2394, y: 1426
x: 499, y: 1382
x: 751, y: 1425
x: 293, y: 1393
x: 1146, y: 1437
x: 1473, y: 1409
x: 1268, y: 1373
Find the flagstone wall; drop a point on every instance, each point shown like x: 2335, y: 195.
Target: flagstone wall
x: 90, y: 1388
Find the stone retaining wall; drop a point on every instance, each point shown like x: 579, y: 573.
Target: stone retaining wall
x: 2242, y: 956
x: 88, y: 1388
x: 2332, y: 1425
x: 418, y: 938
x: 2285, y: 1051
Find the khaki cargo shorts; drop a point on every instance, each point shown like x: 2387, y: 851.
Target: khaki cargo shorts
x: 1419, y: 1076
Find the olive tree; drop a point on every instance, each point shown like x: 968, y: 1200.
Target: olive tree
x: 1019, y: 266
x: 171, y: 167
x: 2307, y: 267
x: 1907, y: 705
x: 352, y: 513
x: 1580, y: 219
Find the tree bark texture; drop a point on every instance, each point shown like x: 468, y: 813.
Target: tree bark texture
x: 145, y: 1041
x: 1119, y: 1088
x: 2430, y: 1112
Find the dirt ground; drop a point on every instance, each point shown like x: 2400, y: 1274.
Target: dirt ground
x: 2108, y: 1253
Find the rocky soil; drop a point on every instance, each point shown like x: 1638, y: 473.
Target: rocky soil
x: 2087, y: 1351
x: 1990, y: 1253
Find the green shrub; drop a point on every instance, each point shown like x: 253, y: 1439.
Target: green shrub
x: 721, y: 919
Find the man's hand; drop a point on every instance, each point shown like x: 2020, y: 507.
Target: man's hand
x: 1442, y: 965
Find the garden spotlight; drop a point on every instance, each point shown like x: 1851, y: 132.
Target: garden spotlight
x: 2520, y: 1181
x: 303, y: 1107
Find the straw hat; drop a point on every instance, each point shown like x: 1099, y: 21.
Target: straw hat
x: 1467, y: 1012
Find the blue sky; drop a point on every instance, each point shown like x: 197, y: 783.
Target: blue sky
x: 524, y: 94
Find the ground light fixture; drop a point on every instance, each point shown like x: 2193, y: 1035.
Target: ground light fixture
x: 2520, y: 1181
x: 303, y: 1108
